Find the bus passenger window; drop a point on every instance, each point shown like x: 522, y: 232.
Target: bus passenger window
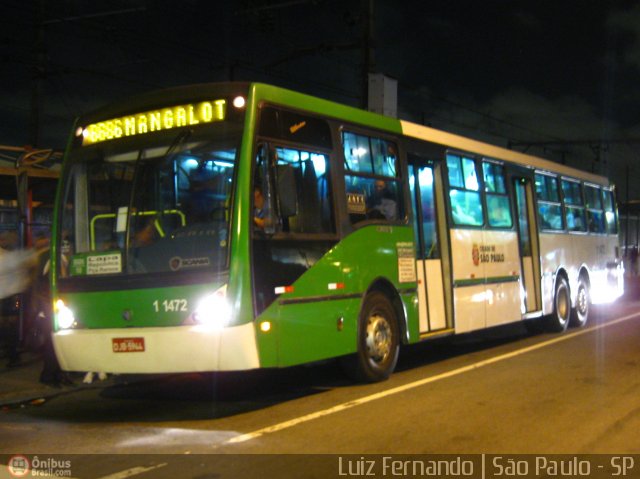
x: 549, y: 207
x: 373, y: 187
x: 595, y: 221
x: 464, y: 191
x: 575, y: 219
x: 357, y: 153
x: 498, y: 207
x: 595, y: 215
x: 303, y: 191
x: 547, y: 188
x: 369, y: 198
x: 610, y: 213
x: 498, y: 211
x: 550, y: 216
x: 572, y: 193
x: 466, y: 208
x: 574, y: 209
x: 381, y: 203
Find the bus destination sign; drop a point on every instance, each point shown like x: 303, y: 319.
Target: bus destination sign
x: 156, y: 120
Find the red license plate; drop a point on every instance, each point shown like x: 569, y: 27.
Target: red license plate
x: 127, y: 345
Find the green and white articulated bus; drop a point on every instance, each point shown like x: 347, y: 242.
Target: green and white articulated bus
x: 238, y: 226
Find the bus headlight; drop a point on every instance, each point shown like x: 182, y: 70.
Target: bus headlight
x: 64, y: 315
x: 214, y: 311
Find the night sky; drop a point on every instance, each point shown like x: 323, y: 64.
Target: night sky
x: 554, y: 72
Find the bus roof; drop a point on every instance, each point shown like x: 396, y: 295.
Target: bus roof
x: 485, y: 149
x: 338, y: 111
x: 358, y: 116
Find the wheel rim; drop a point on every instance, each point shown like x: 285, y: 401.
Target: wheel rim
x: 563, y: 305
x: 379, y: 338
x: 583, y: 301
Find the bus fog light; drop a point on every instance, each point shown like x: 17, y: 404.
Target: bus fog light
x: 64, y: 315
x: 214, y: 310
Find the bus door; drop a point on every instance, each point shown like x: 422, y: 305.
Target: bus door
x: 528, y: 240
x: 429, y: 252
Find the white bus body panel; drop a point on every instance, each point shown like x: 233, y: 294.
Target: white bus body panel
x: 166, y: 350
x: 571, y: 252
x: 431, y: 308
x: 435, y: 290
x: 487, y: 278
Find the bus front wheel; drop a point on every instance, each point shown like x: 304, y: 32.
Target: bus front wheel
x: 559, y: 319
x: 378, y: 340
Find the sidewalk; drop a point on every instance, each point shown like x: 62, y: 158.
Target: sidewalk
x: 20, y: 385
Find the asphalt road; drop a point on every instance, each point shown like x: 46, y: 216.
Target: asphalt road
x: 503, y: 391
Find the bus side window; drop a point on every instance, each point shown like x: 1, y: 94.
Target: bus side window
x: 575, y: 219
x: 550, y: 216
x: 373, y: 187
x: 498, y: 206
x: 498, y: 211
x: 464, y: 191
x: 549, y: 206
x: 610, y: 212
x: 595, y: 215
x: 303, y: 191
x: 574, y: 206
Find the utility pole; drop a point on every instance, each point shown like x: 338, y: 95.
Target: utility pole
x: 368, y: 49
x: 38, y: 74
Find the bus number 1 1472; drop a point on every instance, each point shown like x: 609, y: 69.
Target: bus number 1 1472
x: 170, y: 305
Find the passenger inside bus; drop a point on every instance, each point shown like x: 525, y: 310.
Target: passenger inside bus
x: 258, y: 208
x: 498, y: 210
x: 381, y: 204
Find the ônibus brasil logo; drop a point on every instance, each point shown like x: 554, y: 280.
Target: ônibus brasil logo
x: 19, y: 466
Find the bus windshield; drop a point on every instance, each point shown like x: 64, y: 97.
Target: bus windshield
x: 156, y: 208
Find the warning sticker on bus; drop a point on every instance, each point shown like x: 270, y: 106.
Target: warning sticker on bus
x: 406, y: 262
x: 127, y: 345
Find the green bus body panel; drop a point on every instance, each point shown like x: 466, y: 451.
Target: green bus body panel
x: 239, y: 289
x: 300, y: 101
x: 149, y: 307
x: 304, y: 322
x: 302, y: 331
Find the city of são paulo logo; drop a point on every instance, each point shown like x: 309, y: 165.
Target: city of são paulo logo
x: 22, y: 466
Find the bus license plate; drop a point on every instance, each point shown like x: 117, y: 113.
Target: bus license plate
x: 127, y: 345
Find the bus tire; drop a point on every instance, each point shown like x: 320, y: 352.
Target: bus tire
x: 378, y: 340
x: 580, y: 314
x: 558, y: 321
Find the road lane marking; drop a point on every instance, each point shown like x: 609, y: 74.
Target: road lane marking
x: 406, y: 387
x: 134, y: 471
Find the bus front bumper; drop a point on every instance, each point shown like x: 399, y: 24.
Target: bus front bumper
x: 157, y: 350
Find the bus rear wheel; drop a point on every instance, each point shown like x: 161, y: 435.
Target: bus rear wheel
x: 580, y: 315
x: 378, y: 340
x: 559, y: 319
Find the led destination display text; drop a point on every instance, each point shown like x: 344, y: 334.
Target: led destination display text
x: 156, y: 120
